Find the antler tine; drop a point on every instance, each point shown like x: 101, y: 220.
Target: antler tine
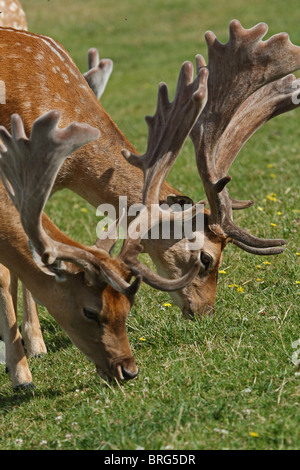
x: 248, y: 92
x: 99, y: 72
x: 168, y: 130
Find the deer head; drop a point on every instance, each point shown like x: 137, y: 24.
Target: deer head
x: 84, y: 288
x: 247, y: 85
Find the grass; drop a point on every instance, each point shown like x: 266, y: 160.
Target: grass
x: 223, y: 382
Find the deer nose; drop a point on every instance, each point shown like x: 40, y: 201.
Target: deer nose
x: 128, y: 374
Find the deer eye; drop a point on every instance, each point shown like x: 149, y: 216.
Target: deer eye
x: 206, y: 259
x: 90, y: 314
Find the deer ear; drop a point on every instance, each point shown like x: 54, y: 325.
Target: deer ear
x: 179, y: 199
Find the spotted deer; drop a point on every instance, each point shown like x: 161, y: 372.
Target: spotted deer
x: 247, y: 85
x: 86, y: 290
x: 12, y: 15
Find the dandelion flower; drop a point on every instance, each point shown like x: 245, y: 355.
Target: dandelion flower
x: 240, y: 289
x: 167, y: 304
x: 259, y: 280
x: 266, y: 262
x: 258, y: 266
x: 253, y: 434
x: 84, y: 209
x: 260, y: 209
x: 271, y: 198
x: 273, y: 225
x: 222, y: 272
x: 270, y: 165
x: 272, y: 175
x: 297, y: 282
x: 142, y: 339
x: 278, y: 213
x: 298, y: 254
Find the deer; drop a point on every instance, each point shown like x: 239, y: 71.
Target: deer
x: 230, y: 117
x: 12, y: 15
x: 86, y: 290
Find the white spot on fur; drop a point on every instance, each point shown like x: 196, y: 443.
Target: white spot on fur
x: 13, y: 6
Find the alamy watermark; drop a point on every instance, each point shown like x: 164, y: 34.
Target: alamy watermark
x: 296, y: 355
x: 2, y: 92
x: 296, y: 94
x: 179, y: 221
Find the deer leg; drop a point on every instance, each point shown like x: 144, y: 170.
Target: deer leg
x: 31, y: 329
x: 16, y: 361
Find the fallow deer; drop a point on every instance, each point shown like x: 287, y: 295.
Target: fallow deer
x: 12, y: 15
x: 99, y: 174
x: 84, y: 289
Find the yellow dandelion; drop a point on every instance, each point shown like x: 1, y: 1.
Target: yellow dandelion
x: 297, y: 254
x: 297, y: 282
x: 84, y: 209
x: 167, y: 304
x: 258, y: 266
x: 297, y: 211
x: 259, y: 280
x: 270, y: 165
x: 272, y: 175
x: 142, y: 339
x: 273, y: 225
x: 240, y: 289
x: 253, y: 434
x: 230, y: 285
x: 271, y: 198
x: 273, y: 194
x: 266, y: 262
x: 278, y: 213
x: 260, y: 209
x: 222, y: 272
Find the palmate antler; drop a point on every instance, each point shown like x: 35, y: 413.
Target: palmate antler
x: 23, y: 163
x: 245, y: 89
x: 98, y: 73
x: 168, y: 130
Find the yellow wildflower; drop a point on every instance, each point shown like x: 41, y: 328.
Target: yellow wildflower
x: 253, y: 434
x: 167, y: 304
x: 259, y: 280
x: 273, y: 225
x: 142, y: 339
x: 258, y: 266
x: 270, y: 165
x: 272, y: 175
x: 278, y: 213
x: 240, y: 289
x: 271, y: 198
x: 222, y: 272
x: 84, y: 209
x: 266, y: 262
x: 297, y: 282
x: 298, y: 254
x: 260, y: 209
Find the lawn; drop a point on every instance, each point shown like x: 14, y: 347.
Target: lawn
x: 224, y: 382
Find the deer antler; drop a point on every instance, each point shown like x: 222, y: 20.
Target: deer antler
x: 168, y: 130
x: 22, y: 163
x: 245, y: 89
x: 99, y: 72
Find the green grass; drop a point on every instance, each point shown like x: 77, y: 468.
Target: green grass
x: 224, y: 382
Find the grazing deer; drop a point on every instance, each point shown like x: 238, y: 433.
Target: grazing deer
x: 12, y: 15
x: 84, y: 289
x: 99, y: 174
